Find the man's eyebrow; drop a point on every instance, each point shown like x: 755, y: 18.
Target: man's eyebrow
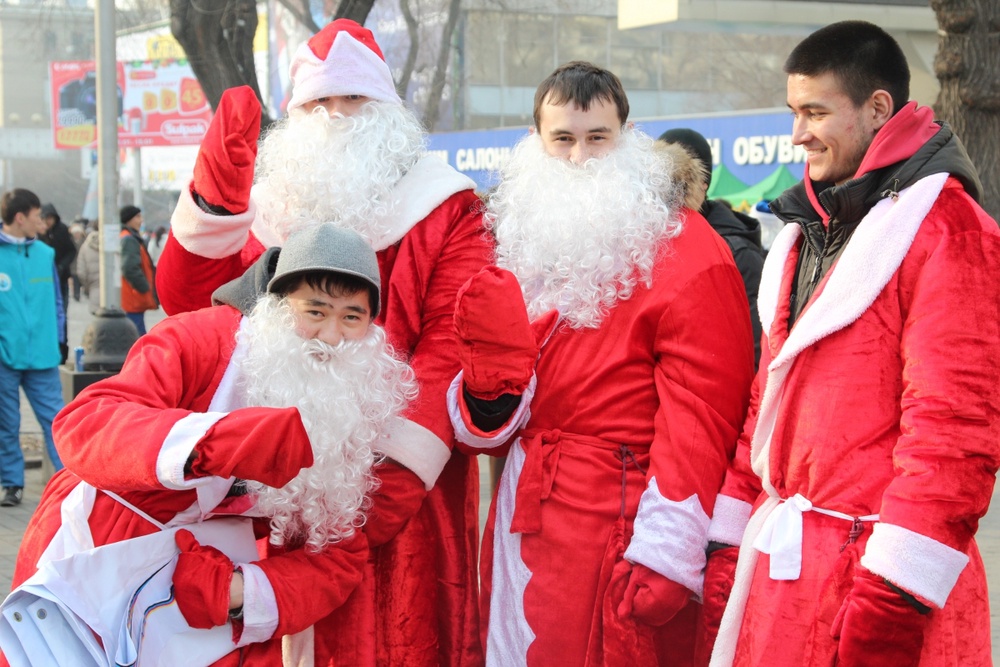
x: 595, y: 130
x: 808, y: 106
x: 361, y: 310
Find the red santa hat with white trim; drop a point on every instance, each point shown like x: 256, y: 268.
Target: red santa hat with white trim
x: 341, y: 59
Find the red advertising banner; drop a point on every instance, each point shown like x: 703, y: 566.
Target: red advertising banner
x: 160, y: 103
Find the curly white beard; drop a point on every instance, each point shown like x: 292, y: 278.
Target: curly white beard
x: 579, y: 238
x: 312, y: 168
x: 349, y: 397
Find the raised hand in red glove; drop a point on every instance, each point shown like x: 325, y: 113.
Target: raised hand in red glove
x: 720, y: 571
x: 201, y: 582
x: 497, y: 345
x: 651, y: 598
x: 266, y: 445
x: 876, y: 626
x: 398, y: 497
x: 223, y: 172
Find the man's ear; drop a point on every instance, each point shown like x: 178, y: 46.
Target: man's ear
x: 532, y: 130
x: 882, y: 108
x: 629, y: 126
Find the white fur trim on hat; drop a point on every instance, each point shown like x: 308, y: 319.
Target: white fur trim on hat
x: 350, y: 68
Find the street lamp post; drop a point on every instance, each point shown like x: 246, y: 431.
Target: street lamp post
x: 110, y: 335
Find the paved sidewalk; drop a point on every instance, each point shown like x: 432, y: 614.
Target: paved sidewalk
x: 13, y: 520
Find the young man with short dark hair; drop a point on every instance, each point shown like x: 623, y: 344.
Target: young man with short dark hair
x: 871, y: 449
x: 33, y: 317
x: 610, y: 360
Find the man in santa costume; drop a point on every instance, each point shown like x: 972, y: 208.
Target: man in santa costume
x: 272, y: 404
x: 350, y: 154
x: 871, y: 445
x: 617, y: 432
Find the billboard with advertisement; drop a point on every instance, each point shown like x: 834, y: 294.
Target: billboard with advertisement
x: 160, y: 103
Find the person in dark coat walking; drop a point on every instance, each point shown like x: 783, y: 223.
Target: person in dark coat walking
x: 57, y: 237
x: 138, y: 284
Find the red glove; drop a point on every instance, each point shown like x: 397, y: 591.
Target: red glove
x: 497, y: 345
x: 266, y: 445
x: 720, y: 570
x: 876, y: 626
x: 397, y: 498
x: 651, y: 598
x: 201, y: 582
x: 223, y: 173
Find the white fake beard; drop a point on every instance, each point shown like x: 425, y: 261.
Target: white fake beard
x: 579, y: 238
x: 349, y: 397
x: 313, y: 168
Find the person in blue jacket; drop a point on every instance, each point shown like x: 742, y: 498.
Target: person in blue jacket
x: 32, y: 313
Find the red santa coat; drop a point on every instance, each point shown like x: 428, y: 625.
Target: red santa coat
x: 130, y: 434
x: 880, y: 403
x: 647, y: 406
x: 418, y: 605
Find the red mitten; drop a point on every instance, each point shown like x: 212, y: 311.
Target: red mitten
x: 223, y: 172
x: 876, y: 626
x: 201, y: 582
x: 266, y: 445
x: 651, y: 598
x: 497, y: 345
x: 720, y: 571
x: 397, y: 498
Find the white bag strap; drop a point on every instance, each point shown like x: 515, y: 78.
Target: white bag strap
x: 135, y: 509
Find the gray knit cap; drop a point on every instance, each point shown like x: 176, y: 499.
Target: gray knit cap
x: 328, y: 248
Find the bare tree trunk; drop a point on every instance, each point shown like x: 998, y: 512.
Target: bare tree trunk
x: 411, y: 55
x: 967, y: 63
x: 356, y: 10
x: 433, y: 110
x: 217, y: 36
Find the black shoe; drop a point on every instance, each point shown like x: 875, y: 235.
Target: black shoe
x: 12, y: 497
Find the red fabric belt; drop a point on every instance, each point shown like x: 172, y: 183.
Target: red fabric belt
x: 541, y: 459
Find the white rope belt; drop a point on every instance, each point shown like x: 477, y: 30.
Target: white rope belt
x: 781, y: 535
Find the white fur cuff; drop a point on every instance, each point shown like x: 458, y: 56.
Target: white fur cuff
x: 914, y: 562
x: 208, y: 235
x: 465, y: 435
x: 418, y: 450
x: 260, y: 606
x: 670, y: 538
x: 177, y: 447
x: 729, y: 520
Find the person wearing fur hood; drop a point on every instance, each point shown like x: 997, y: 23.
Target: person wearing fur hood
x: 692, y: 158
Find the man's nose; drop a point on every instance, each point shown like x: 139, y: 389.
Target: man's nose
x: 332, y: 334
x: 800, y: 132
